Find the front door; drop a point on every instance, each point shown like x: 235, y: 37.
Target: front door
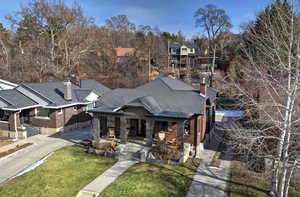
x: 134, y: 127
x: 142, y: 130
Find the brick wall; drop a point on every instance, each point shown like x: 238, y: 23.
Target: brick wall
x: 197, y: 130
x: 45, y: 122
x: 4, y: 125
x: 69, y: 116
x: 172, y: 134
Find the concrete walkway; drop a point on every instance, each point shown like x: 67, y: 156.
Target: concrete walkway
x: 101, y: 182
x: 129, y: 156
x: 42, y: 146
x: 209, y: 182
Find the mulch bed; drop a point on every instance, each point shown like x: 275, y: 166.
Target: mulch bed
x: 10, y: 151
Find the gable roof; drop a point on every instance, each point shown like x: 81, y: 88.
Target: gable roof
x: 49, y: 94
x: 54, y: 91
x: 6, y: 85
x: 91, y: 84
x: 164, y: 96
x: 15, y: 99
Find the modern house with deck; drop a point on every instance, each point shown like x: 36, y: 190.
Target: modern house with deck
x: 48, y: 107
x: 166, y: 105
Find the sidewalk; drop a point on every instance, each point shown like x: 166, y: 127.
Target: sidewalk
x: 209, y: 182
x: 128, y: 158
x: 105, y: 179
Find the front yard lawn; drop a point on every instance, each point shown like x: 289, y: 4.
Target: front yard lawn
x: 63, y: 174
x: 146, y: 179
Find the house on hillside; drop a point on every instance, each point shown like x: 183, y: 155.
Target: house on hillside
x: 5, y: 85
x: 180, y: 55
x: 48, y: 107
x: 124, y: 53
x: 184, y: 113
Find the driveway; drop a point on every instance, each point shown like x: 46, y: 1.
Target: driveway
x: 42, y: 146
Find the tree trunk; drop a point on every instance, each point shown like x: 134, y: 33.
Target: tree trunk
x: 288, y: 179
x: 212, y: 69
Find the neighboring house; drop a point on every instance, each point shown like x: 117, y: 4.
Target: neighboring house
x: 181, y: 55
x: 50, y: 106
x: 5, y: 85
x: 185, y: 113
x: 124, y: 53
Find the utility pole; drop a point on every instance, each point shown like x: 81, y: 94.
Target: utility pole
x: 168, y: 55
x: 149, y: 64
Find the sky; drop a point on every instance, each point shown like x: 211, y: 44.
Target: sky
x: 168, y: 15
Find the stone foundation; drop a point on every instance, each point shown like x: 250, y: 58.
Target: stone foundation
x: 12, y: 134
x: 49, y: 131
x: 199, y: 149
x: 21, y: 134
x: 186, y: 152
x: 4, y: 133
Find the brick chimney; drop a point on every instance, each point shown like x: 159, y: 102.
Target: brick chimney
x: 203, y: 86
x: 68, y: 90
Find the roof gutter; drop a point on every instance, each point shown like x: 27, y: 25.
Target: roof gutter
x: 22, y: 108
x: 68, y: 105
x: 45, y: 106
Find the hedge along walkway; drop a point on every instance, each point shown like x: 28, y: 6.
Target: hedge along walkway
x: 63, y: 174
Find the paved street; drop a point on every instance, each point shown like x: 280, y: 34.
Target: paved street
x: 42, y: 146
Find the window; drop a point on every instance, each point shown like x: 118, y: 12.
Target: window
x: 90, y: 106
x: 4, y: 115
x: 187, y: 128
x: 60, y: 111
x: 42, y: 112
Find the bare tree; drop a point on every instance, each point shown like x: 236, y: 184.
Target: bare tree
x: 51, y: 38
x: 272, y: 131
x: 213, y: 21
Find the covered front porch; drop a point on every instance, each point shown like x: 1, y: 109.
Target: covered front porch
x: 148, y: 129
x: 11, y: 125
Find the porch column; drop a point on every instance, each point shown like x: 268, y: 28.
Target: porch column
x: 149, y: 132
x: 123, y: 130
x: 170, y: 124
x: 180, y: 127
x: 185, y: 148
x: 96, y: 128
x: 14, y: 123
x: 139, y: 126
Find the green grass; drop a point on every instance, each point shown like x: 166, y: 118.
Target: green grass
x: 145, y: 179
x: 250, y: 184
x: 64, y: 174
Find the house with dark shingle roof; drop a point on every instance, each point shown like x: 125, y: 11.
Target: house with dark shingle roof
x: 49, y: 106
x: 183, y: 113
x: 6, y: 85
